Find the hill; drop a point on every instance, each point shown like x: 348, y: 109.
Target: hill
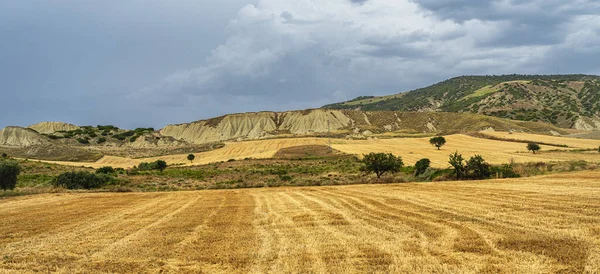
x: 567, y: 101
x: 342, y: 124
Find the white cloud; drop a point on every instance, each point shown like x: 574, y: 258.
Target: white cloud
x: 326, y: 50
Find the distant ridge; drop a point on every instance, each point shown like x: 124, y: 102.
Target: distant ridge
x: 567, y: 101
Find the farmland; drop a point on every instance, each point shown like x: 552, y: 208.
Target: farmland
x: 411, y: 149
x: 528, y: 225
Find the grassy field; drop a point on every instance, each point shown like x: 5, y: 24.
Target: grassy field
x: 411, y: 149
x: 531, y: 225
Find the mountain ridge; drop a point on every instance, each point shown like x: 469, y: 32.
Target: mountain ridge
x: 567, y: 101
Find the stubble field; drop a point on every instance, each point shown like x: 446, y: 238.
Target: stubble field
x: 411, y: 150
x: 529, y: 225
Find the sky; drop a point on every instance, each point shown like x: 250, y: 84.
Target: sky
x: 149, y: 63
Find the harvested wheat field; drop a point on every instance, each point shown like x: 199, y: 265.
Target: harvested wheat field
x: 531, y: 225
x: 411, y: 150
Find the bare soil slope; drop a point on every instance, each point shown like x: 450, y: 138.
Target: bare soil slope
x: 533, y: 225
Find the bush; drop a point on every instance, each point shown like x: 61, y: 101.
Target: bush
x: 105, y: 170
x: 83, y: 141
x: 4, y: 155
x: 101, y: 140
x: 421, y: 166
x: 505, y: 171
x: 380, y: 163
x: 157, y: 165
x: 477, y: 168
x: 81, y: 180
x: 9, y: 171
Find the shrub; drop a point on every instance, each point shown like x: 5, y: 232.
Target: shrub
x: 9, y: 171
x: 53, y: 137
x: 4, y: 155
x: 83, y: 141
x: 81, y: 180
x: 438, y: 141
x: 105, y: 170
x: 533, y: 147
x: 505, y: 171
x: 157, y: 165
x: 101, y: 140
x: 380, y: 163
x: 421, y: 166
x: 132, y: 139
x: 477, y: 168
x: 598, y: 149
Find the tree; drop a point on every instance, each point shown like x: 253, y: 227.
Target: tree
x: 438, y: 141
x: 9, y: 171
x: 380, y: 163
x: 477, y: 168
x: 161, y: 165
x: 191, y: 157
x: 533, y: 147
x: 4, y: 155
x: 457, y: 162
x: 421, y: 166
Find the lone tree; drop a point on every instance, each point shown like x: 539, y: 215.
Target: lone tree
x: 438, y: 141
x: 457, y: 162
x: 421, y: 166
x: 161, y: 165
x: 533, y: 147
x: 9, y: 171
x: 191, y: 157
x: 380, y: 163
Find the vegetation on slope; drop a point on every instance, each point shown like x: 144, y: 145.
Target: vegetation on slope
x: 557, y: 99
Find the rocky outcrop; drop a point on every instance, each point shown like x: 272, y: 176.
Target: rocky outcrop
x: 52, y: 127
x: 21, y: 137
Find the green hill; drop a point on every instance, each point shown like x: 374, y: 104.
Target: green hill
x: 568, y: 101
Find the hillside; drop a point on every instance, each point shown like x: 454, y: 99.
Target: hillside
x: 567, y: 101
x: 342, y: 124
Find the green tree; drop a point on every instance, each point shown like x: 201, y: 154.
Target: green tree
x: 421, y: 166
x: 191, y: 157
x: 533, y: 147
x: 477, y: 168
x: 438, y: 141
x: 380, y: 163
x: 458, y: 163
x: 161, y: 165
x: 9, y: 171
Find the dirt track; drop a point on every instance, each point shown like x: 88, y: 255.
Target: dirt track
x: 532, y: 225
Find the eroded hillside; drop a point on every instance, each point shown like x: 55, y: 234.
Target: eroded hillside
x: 341, y: 123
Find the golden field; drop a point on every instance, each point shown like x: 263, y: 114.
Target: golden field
x: 411, y: 150
x: 531, y: 225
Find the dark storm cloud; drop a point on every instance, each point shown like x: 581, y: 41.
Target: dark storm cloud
x: 149, y: 63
